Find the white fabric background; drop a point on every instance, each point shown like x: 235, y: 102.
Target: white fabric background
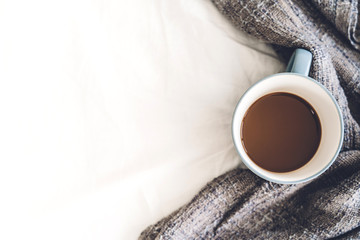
x: 115, y: 113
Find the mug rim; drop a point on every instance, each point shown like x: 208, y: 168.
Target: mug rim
x: 317, y: 173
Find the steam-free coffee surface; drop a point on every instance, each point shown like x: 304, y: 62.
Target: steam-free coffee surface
x: 281, y: 132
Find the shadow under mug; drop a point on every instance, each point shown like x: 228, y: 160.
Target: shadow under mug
x: 295, y: 81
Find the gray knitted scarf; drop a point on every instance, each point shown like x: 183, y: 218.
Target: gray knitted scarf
x: 240, y: 205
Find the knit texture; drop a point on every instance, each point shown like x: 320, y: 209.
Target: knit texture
x: 240, y: 205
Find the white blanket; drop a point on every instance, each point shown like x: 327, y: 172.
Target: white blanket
x: 115, y: 113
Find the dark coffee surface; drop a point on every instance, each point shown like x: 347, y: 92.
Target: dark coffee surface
x: 281, y: 132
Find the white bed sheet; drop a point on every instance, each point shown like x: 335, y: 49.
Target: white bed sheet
x: 115, y: 113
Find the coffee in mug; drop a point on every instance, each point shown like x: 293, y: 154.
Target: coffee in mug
x: 281, y: 132
x: 287, y: 127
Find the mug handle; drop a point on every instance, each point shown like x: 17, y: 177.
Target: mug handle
x: 300, y: 62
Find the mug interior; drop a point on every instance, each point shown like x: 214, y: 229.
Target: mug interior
x: 325, y: 106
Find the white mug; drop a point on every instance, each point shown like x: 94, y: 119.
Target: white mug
x: 295, y: 81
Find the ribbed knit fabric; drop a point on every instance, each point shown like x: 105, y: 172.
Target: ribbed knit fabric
x: 240, y: 205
